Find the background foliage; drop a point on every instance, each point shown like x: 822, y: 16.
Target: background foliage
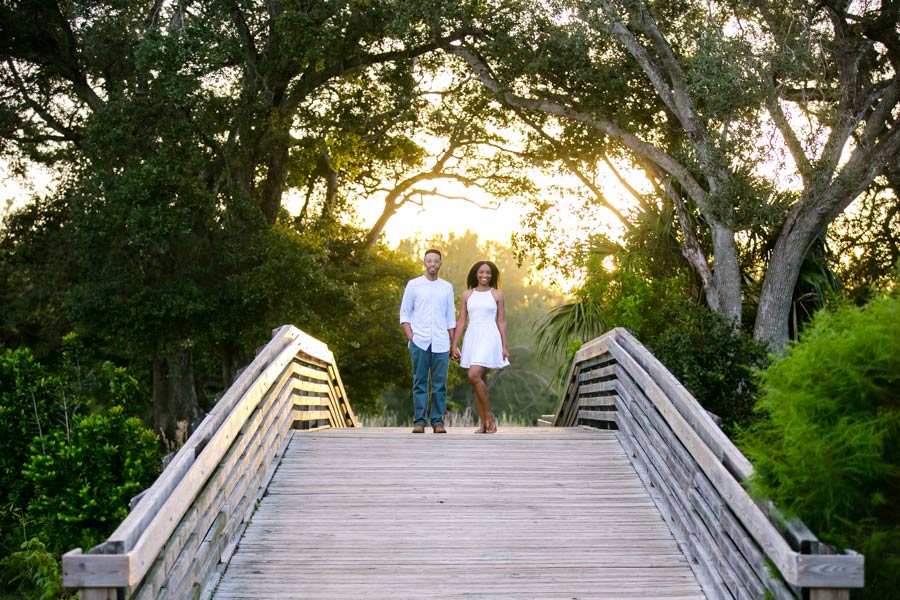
x: 73, y: 456
x: 522, y: 391
x: 701, y: 348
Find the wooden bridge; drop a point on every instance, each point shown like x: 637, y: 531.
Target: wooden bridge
x: 633, y: 493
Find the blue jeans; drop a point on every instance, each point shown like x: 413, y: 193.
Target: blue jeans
x: 425, y: 363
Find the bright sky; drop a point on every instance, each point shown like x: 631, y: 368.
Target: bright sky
x: 435, y: 215
x: 14, y: 191
x: 439, y: 216
x: 442, y: 215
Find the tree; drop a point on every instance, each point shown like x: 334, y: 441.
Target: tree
x: 33, y: 278
x: 400, y: 139
x: 179, y: 127
x: 253, y: 67
x: 683, y: 90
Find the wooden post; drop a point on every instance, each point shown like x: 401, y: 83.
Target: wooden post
x: 829, y: 594
x: 98, y: 594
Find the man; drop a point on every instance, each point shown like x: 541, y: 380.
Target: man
x: 427, y: 314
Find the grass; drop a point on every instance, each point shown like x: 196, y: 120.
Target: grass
x: 467, y: 418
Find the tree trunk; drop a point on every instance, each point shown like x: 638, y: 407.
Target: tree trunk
x: 232, y: 359
x: 727, y: 273
x: 774, y: 311
x: 175, y: 404
x: 276, y: 170
x: 822, y: 201
x: 372, y: 237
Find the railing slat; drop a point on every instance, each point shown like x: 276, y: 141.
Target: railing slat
x: 681, y: 452
x: 776, y: 548
x: 687, y: 406
x: 172, y: 543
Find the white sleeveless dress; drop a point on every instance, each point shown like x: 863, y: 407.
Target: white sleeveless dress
x: 481, y: 344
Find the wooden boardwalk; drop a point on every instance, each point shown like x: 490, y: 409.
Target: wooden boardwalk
x: 554, y: 513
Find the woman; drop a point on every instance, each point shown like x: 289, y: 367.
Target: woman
x: 484, y: 345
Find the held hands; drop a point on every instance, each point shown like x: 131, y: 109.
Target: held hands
x: 455, y: 354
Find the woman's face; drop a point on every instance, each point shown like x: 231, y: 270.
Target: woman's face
x: 484, y: 275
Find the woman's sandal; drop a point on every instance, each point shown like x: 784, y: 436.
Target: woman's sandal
x: 494, y: 428
x: 480, y: 430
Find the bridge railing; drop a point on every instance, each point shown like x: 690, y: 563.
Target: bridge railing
x: 695, y: 475
x: 187, y: 524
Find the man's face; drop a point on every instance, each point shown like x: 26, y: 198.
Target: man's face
x: 432, y: 265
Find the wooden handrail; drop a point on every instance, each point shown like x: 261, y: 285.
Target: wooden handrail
x: 189, y: 520
x: 696, y: 475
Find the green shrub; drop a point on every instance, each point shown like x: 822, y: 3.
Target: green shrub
x: 83, y: 481
x: 700, y: 347
x: 66, y: 475
x: 33, y: 572
x: 827, y: 448
x: 715, y: 362
x: 26, y: 404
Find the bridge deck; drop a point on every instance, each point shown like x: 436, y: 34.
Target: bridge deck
x: 529, y: 513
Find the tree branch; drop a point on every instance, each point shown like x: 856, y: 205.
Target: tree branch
x: 624, y: 183
x: 573, y: 168
x: 153, y: 14
x: 313, y: 78
x: 249, y: 46
x: 880, y: 118
x: 690, y: 247
x: 643, y: 58
x: 651, y: 153
x: 39, y: 109
x: 788, y: 133
x: 677, y: 98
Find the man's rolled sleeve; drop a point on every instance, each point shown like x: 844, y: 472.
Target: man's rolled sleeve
x: 406, y: 306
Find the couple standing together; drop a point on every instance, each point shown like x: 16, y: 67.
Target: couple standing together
x: 428, y: 317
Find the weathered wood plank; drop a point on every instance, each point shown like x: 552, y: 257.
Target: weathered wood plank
x: 591, y: 373
x: 240, y: 469
x: 566, y: 411
x: 671, y: 504
x: 385, y: 514
x: 339, y: 392
x: 170, y: 543
x: 607, y: 401
x: 715, y: 463
x: 180, y: 497
x: 687, y: 407
x: 593, y: 388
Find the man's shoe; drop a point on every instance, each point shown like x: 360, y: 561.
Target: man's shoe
x: 418, y: 428
x: 440, y: 429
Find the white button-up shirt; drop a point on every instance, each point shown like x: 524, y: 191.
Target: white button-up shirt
x: 429, y: 309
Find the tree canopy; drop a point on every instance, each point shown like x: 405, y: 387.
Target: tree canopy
x: 181, y: 132
x: 759, y: 124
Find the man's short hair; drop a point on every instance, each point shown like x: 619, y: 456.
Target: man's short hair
x: 433, y: 251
